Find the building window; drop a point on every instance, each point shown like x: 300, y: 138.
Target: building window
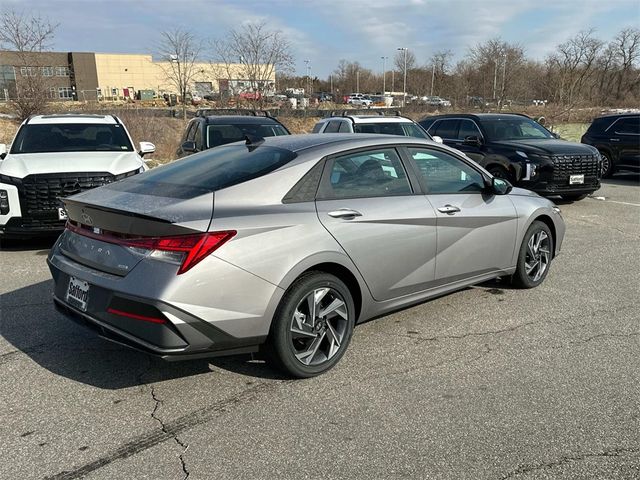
x: 30, y: 71
x: 114, y: 92
x: 47, y: 71
x: 62, y: 71
x: 65, y: 93
x: 53, y: 92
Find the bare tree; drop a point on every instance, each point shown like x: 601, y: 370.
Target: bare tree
x: 254, y: 53
x: 626, y: 46
x: 572, y: 65
x: 398, y: 60
x: 179, y: 51
x: 26, y: 37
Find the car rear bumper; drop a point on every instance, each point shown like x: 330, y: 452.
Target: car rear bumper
x: 107, y: 331
x: 174, y: 317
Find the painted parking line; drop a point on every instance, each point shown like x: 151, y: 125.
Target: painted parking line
x: 604, y: 199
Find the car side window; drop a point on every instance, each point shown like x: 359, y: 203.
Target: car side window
x: 468, y: 128
x: 374, y: 173
x: 317, y: 127
x: 447, y: 128
x: 444, y: 173
x: 197, y: 136
x: 191, y: 134
x: 344, y: 128
x: 628, y: 126
x: 333, y: 126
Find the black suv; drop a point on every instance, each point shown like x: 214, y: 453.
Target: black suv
x: 521, y: 150
x: 205, y: 132
x: 617, y: 137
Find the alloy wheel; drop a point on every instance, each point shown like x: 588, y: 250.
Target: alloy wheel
x: 605, y: 165
x: 318, y: 326
x: 538, y: 255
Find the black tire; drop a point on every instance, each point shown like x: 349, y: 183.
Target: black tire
x: 283, y: 346
x: 607, y: 164
x: 500, y: 172
x: 574, y: 197
x: 521, y: 278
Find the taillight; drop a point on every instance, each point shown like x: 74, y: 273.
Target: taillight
x: 186, y: 250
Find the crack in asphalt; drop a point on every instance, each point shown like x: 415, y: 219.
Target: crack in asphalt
x: 169, y: 432
x: 472, y: 334
x: 609, y: 335
x: 183, y: 445
x: 523, y: 469
x: 607, y: 227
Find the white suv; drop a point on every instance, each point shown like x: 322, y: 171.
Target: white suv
x: 54, y: 156
x: 394, y: 125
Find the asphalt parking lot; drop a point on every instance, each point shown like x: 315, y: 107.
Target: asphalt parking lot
x: 485, y: 383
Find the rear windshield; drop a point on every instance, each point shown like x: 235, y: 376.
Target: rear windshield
x: 388, y: 128
x: 208, y: 171
x: 223, y: 134
x: 71, y: 137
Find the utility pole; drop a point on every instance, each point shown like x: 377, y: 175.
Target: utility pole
x: 504, y: 71
x: 357, y: 81
x: 384, y: 75
x: 393, y: 80
x: 495, y: 78
x: 331, y: 83
x: 404, y: 83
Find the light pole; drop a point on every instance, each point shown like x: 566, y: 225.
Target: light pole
x: 384, y: 75
x: 404, y: 84
x: 308, y: 64
x: 433, y: 76
x: 504, y: 72
x: 393, y: 81
x: 357, y: 81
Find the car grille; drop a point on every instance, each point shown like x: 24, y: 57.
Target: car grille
x: 40, y: 194
x: 565, y: 165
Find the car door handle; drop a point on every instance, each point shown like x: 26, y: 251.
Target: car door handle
x: 450, y: 209
x: 344, y: 213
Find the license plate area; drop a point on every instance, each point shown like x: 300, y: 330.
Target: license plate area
x: 78, y: 293
x: 576, y: 179
x: 62, y: 214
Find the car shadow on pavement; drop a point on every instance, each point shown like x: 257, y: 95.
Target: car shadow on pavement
x: 31, y: 324
x: 623, y: 178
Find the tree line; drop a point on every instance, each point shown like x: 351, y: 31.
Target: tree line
x: 583, y: 70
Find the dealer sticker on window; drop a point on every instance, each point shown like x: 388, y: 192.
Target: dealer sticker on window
x: 62, y: 214
x: 576, y: 179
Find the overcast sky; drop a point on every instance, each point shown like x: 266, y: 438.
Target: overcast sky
x: 325, y: 31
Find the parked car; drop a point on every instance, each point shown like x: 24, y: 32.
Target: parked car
x: 435, y: 101
x: 288, y: 242
x: 617, y: 138
x: 522, y: 151
x: 359, y: 99
x: 208, y: 131
x: 380, y: 124
x: 54, y: 156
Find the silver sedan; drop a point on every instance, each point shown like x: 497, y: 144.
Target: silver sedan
x: 286, y: 243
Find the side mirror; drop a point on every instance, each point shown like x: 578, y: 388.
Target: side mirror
x: 472, y: 140
x: 3, y: 150
x: 500, y: 186
x: 189, y: 146
x: 437, y: 139
x: 146, y: 147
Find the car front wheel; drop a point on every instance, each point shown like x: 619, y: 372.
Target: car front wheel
x: 313, y: 325
x: 535, y: 255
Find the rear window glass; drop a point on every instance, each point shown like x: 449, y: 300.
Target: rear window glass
x: 71, y: 137
x: 223, y: 134
x: 208, y: 171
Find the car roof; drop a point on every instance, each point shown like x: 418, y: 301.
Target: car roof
x: 620, y: 115
x: 240, y: 119
x: 371, y: 119
x: 299, y: 142
x: 72, y: 118
x: 479, y: 116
